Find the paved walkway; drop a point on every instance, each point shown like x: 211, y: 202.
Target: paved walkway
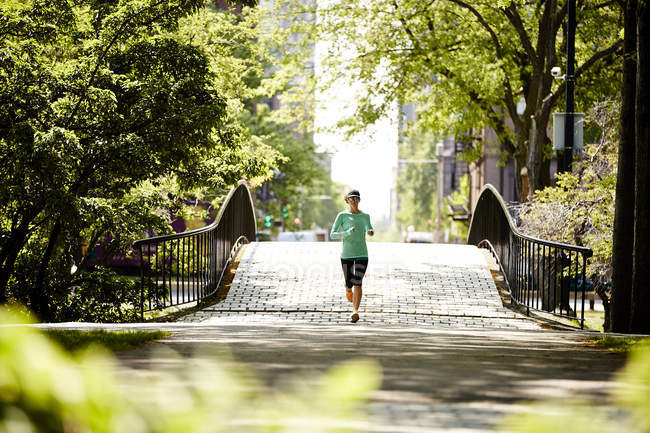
x: 434, y: 379
x: 453, y: 358
x: 425, y: 285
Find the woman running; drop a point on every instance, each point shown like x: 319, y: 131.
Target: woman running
x: 352, y: 226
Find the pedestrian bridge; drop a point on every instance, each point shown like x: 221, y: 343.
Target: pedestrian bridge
x: 413, y: 285
x: 405, y: 284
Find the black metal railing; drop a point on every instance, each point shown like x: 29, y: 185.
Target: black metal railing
x: 542, y: 275
x: 186, y: 267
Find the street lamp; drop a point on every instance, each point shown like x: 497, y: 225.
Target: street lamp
x: 570, y: 86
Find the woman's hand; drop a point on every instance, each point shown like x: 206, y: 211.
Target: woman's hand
x: 371, y: 232
x: 352, y: 228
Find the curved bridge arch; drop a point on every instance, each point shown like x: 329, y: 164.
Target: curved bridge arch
x: 186, y: 267
x: 541, y: 274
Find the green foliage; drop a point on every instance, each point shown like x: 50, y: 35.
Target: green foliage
x: 464, y: 64
x: 417, y: 188
x: 300, y: 179
x: 321, y: 201
x: 631, y: 393
x: 252, y: 63
x: 109, y: 114
x: 115, y: 341
x: 417, y: 181
x: 45, y: 389
x: 95, y: 295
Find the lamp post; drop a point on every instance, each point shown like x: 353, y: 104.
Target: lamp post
x: 570, y: 87
x: 439, y: 152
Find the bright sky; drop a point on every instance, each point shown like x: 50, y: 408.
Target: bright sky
x: 366, y: 161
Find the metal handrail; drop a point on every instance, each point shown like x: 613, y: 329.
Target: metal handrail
x: 540, y: 274
x: 187, y: 267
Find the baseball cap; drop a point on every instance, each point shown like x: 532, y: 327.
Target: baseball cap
x: 353, y: 193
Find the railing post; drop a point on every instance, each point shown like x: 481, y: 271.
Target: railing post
x: 584, y: 283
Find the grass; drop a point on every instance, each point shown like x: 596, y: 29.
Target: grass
x: 594, y: 320
x: 618, y: 344
x: 115, y: 341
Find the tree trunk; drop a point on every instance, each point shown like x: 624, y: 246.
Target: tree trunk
x: 640, y: 319
x: 519, y: 162
x: 40, y: 298
x: 536, y: 145
x: 623, y: 237
x: 602, y: 293
x: 9, y: 254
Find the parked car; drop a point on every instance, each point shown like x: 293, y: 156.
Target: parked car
x: 303, y: 236
x: 419, y: 237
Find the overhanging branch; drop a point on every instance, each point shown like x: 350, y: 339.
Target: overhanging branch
x: 550, y: 101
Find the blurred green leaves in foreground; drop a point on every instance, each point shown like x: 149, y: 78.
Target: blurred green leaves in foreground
x: 45, y: 389
x: 630, y: 399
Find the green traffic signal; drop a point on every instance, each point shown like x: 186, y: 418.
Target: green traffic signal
x: 267, y: 221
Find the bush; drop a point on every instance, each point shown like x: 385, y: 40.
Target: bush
x: 579, y: 209
x: 43, y: 389
x: 95, y: 295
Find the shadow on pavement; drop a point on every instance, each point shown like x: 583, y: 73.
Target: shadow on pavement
x: 431, y: 366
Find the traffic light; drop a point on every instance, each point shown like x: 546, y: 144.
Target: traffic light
x: 297, y: 221
x: 285, y: 210
x: 267, y: 220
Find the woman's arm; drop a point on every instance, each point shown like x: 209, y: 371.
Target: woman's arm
x: 369, y: 228
x: 336, y: 234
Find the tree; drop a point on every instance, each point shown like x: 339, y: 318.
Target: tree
x: 623, y: 235
x: 416, y: 184
x: 631, y: 299
x: 97, y: 101
x: 468, y: 64
x: 640, y: 310
x: 300, y: 179
x: 251, y: 64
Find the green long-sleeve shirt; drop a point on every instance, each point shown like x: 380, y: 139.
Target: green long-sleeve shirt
x: 354, y: 242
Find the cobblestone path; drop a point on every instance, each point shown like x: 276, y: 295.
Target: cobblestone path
x: 410, y: 285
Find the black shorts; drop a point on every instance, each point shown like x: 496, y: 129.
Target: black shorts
x: 354, y: 270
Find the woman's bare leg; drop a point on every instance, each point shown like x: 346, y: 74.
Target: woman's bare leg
x: 356, y: 298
